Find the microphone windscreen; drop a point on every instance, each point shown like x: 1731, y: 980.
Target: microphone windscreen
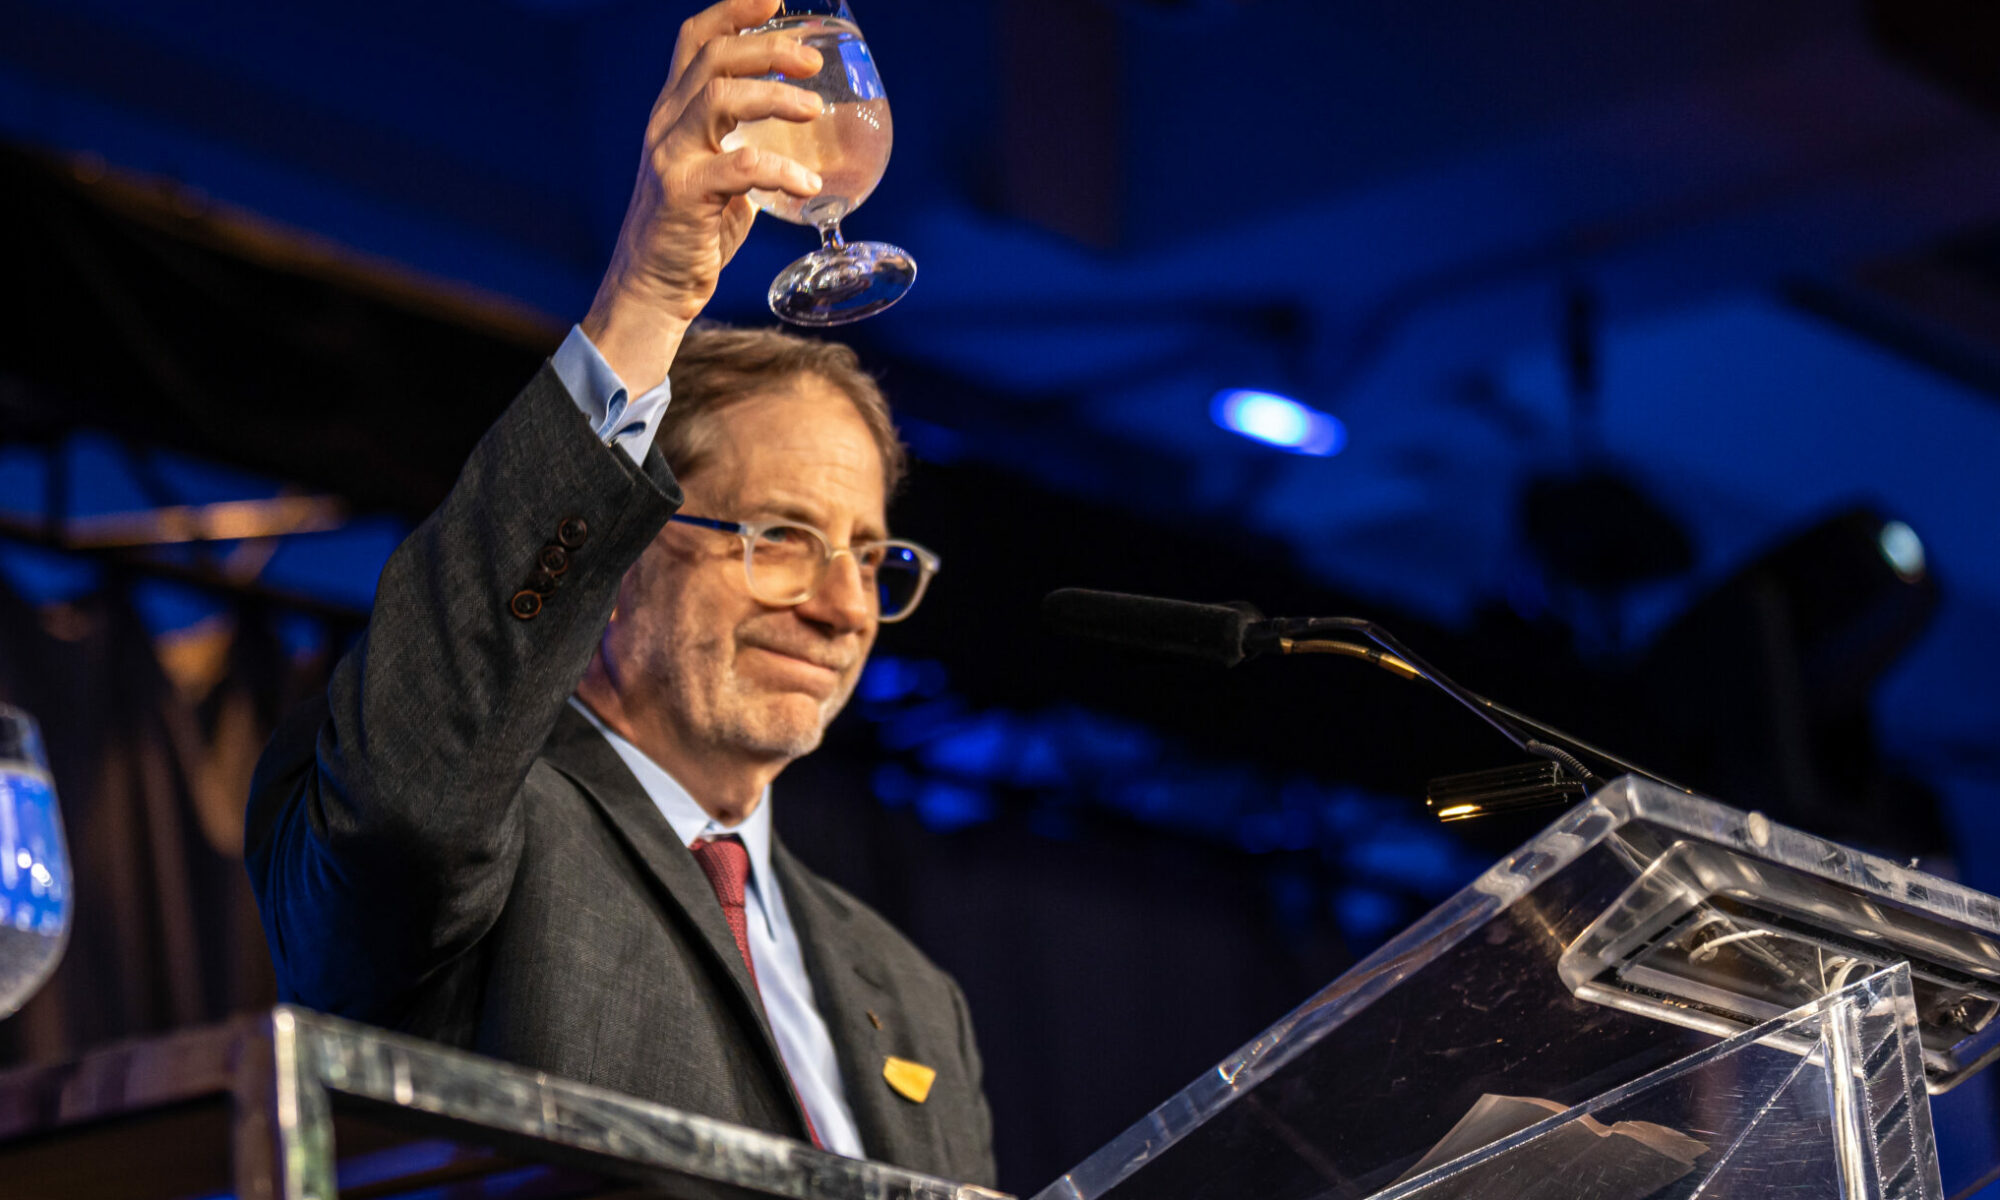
x: 1211, y: 632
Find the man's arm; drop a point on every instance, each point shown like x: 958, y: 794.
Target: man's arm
x: 383, y: 830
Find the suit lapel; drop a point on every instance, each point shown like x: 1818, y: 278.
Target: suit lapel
x: 849, y: 982
x: 580, y: 752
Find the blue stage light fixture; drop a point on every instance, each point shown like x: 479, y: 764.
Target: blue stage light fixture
x: 1277, y: 421
x: 1903, y: 550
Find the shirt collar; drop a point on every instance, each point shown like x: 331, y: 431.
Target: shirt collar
x: 690, y: 821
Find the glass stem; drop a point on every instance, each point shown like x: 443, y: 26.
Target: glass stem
x: 829, y: 237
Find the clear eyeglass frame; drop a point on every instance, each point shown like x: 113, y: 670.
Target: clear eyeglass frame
x: 754, y: 533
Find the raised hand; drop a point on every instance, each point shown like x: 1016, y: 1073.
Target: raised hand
x: 689, y: 212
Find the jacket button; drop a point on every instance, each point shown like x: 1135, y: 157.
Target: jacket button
x: 572, y: 532
x: 554, y: 559
x: 525, y: 604
x: 541, y: 582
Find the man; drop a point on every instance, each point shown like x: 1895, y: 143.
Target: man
x: 531, y: 814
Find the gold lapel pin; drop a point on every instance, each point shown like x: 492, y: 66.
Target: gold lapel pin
x: 912, y: 1080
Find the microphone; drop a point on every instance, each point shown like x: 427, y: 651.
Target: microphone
x: 1219, y: 633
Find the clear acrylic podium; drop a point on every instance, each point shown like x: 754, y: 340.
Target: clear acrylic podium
x: 1658, y: 996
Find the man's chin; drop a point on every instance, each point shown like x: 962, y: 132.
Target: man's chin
x: 781, y: 747
x: 787, y: 727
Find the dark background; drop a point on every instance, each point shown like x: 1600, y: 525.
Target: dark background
x: 1644, y: 323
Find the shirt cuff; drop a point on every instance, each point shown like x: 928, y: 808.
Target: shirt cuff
x: 600, y: 395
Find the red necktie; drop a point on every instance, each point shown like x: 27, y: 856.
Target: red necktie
x: 727, y: 865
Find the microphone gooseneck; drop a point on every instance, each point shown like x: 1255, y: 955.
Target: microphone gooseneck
x: 1229, y: 633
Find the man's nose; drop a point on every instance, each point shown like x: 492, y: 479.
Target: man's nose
x: 842, y: 600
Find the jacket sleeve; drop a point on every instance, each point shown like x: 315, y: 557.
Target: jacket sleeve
x: 384, y: 825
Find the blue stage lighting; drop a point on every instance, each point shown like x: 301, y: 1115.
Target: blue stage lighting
x: 1278, y: 421
x: 1903, y: 549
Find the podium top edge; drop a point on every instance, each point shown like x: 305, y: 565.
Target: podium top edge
x: 290, y: 1058
x: 1750, y: 832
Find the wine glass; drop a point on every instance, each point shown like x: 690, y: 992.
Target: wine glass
x: 34, y: 864
x: 848, y: 145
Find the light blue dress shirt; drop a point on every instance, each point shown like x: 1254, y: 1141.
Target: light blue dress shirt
x: 800, y: 1031
x: 619, y: 420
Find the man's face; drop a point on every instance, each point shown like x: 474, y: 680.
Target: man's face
x: 691, y: 652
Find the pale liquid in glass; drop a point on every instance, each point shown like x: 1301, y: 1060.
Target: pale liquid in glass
x: 848, y: 144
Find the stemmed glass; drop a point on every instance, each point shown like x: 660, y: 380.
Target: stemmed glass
x: 34, y: 864
x: 848, y: 145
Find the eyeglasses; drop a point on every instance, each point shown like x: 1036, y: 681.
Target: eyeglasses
x: 787, y: 563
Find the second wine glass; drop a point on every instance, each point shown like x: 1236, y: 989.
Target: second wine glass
x: 848, y: 145
x: 34, y: 864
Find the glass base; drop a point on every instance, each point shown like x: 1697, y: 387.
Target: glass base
x: 835, y: 286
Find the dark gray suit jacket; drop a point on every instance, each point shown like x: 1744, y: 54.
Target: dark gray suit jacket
x: 441, y: 845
